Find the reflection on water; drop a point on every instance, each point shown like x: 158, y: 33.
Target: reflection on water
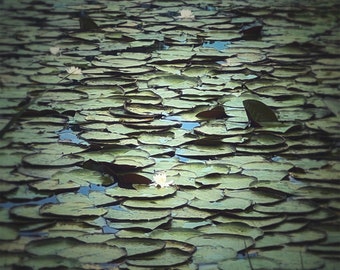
x: 68, y: 135
x: 217, y: 45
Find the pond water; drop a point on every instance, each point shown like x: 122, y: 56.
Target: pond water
x: 169, y: 135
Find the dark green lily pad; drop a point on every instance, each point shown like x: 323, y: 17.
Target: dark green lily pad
x: 258, y: 113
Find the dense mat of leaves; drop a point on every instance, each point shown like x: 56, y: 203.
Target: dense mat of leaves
x: 169, y: 134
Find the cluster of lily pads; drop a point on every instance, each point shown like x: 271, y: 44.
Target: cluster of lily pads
x: 164, y: 134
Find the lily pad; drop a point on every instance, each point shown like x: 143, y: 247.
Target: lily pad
x: 258, y: 113
x: 137, y: 246
x: 141, y: 191
x: 166, y: 258
x: 234, y: 242
x: 8, y: 233
x: 227, y: 204
x: 234, y: 228
x: 162, y: 203
x: 131, y: 214
x: 52, y: 160
x: 292, y: 207
x: 80, y: 209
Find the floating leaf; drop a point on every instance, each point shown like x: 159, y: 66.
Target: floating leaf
x: 141, y: 191
x: 292, y: 207
x: 230, y: 204
x: 8, y: 233
x: 51, y: 160
x: 137, y: 246
x: 234, y: 242
x: 131, y: 214
x: 79, y: 209
x: 166, y: 258
x: 163, y: 203
x: 234, y: 228
x: 216, y: 112
x: 213, y: 254
x: 258, y: 113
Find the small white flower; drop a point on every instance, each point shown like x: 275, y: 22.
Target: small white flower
x: 74, y: 70
x: 54, y: 50
x: 186, y: 14
x: 159, y: 179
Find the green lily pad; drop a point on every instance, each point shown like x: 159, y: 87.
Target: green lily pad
x: 190, y: 213
x: 235, y: 242
x: 178, y: 234
x: 132, y: 214
x: 212, y: 254
x: 8, y: 233
x: 234, y: 228
x: 228, y: 181
x: 141, y: 191
x: 52, y: 160
x: 290, y: 258
x: 166, y: 258
x: 162, y: 203
x: 28, y: 211
x: 137, y: 246
x: 54, y: 261
x: 292, y: 207
x: 256, y: 262
x: 79, y: 209
x: 200, y: 151
x: 173, y: 81
x: 141, y: 224
x: 230, y: 204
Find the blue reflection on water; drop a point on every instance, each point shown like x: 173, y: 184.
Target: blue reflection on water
x: 217, y: 45
x: 186, y: 125
x: 189, y: 125
x: 68, y: 135
x: 85, y: 190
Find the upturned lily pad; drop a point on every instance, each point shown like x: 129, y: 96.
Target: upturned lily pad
x: 258, y: 113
